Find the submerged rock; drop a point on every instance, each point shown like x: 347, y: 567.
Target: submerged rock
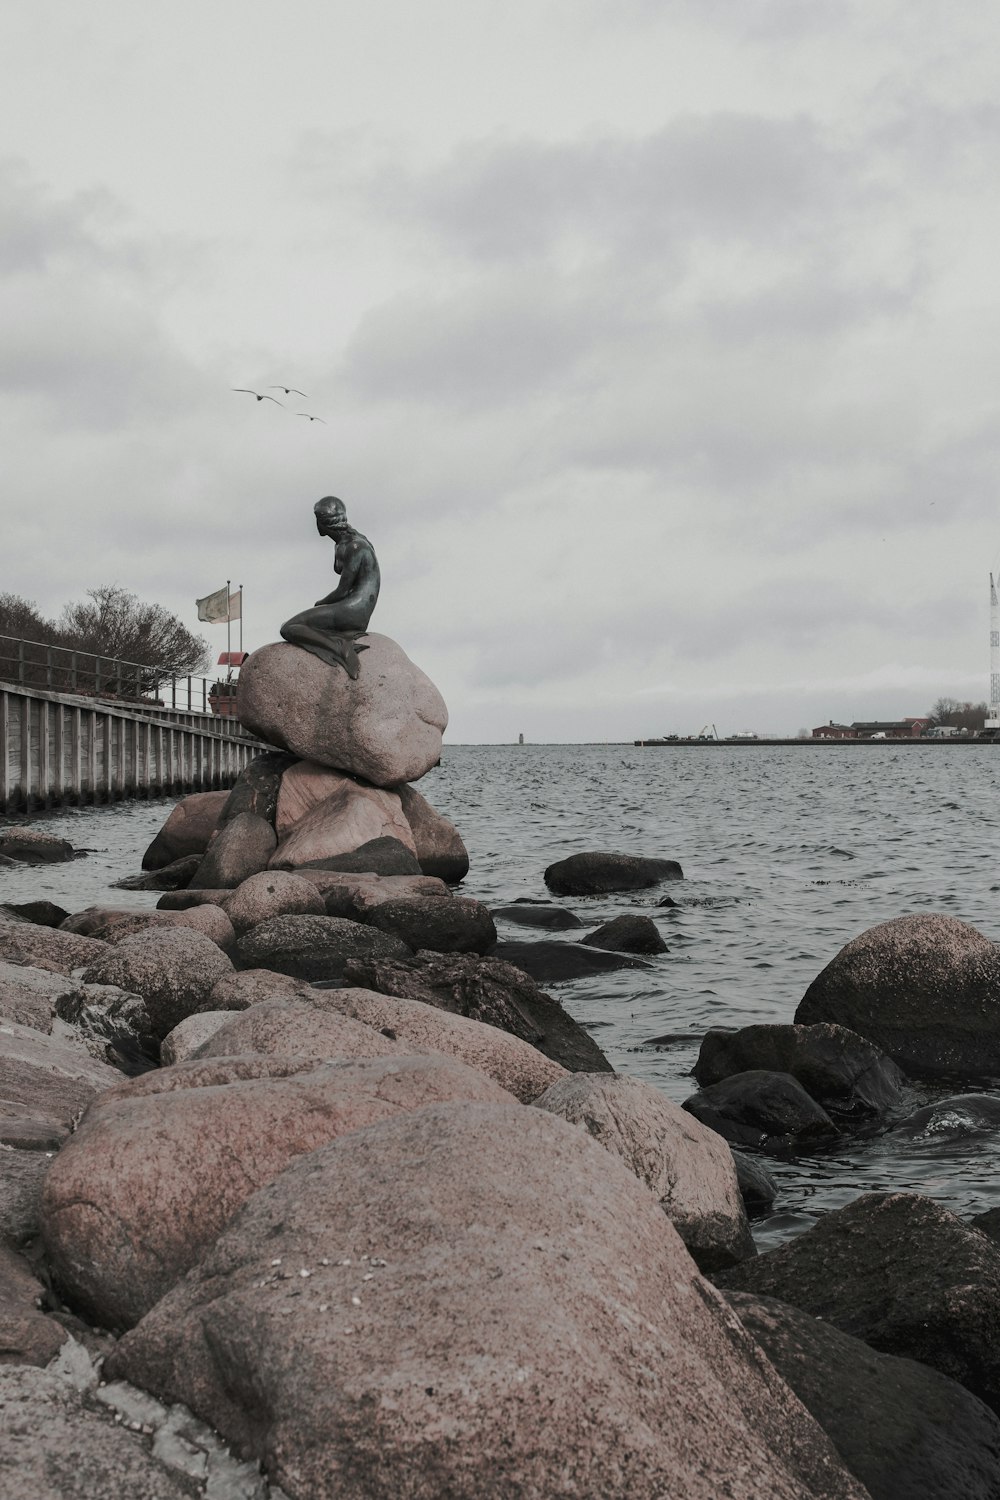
x: 926, y: 989
x: 627, y: 934
x: 537, y: 914
x: 900, y: 1272
x: 847, y: 1075
x: 763, y: 1109
x: 595, y: 873
x: 550, y: 961
x: 30, y: 846
x: 905, y: 1430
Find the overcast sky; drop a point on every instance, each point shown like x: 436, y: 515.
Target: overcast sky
x: 656, y: 342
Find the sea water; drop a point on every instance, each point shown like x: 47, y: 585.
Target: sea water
x: 787, y: 853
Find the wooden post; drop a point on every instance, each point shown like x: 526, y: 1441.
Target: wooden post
x: 4, y: 749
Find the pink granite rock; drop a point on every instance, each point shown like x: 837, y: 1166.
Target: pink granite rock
x: 492, y: 1306
x: 439, y: 845
x: 272, y: 893
x: 187, y: 830
x: 348, y: 816
x: 386, y: 726
x: 145, y: 1186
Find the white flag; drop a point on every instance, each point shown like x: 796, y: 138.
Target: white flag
x: 214, y: 607
x: 235, y: 601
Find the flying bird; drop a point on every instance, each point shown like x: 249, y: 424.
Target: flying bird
x: 311, y: 419
x: 243, y: 391
x: 289, y: 390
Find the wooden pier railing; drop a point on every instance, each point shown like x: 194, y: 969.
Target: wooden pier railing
x: 59, y: 748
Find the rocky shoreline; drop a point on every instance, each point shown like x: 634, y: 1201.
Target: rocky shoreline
x: 310, y: 1189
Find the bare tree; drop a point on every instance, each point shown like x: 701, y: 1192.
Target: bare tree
x: 114, y: 623
x: 959, y: 714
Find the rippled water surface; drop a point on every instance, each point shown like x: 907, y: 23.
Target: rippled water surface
x: 787, y: 854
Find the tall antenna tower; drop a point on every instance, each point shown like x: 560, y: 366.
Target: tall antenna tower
x: 993, y: 722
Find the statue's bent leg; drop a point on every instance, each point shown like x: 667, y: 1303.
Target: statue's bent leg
x: 335, y: 650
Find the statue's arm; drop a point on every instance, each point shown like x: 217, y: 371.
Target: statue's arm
x: 348, y: 579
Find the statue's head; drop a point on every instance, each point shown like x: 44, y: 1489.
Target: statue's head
x: 330, y: 513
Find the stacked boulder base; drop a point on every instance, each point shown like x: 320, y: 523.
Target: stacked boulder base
x: 338, y: 794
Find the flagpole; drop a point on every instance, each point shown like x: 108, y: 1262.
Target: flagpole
x: 229, y: 629
x: 241, y: 619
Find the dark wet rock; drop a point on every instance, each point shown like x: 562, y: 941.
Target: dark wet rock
x: 193, y: 896
x: 486, y: 989
x: 901, y: 1272
x: 356, y: 896
x: 257, y: 786
x: 758, y: 1187
x: 384, y: 856
x: 988, y: 1223
x: 763, y: 1109
x: 538, y: 914
x: 613, y: 1370
x: 112, y: 1023
x: 906, y: 1431
x: 241, y: 849
x: 926, y: 989
x: 43, y: 913
x: 28, y: 846
x: 442, y: 924
x: 847, y: 1075
x: 595, y: 873
x: 686, y: 1166
x: 440, y: 849
x: 668, y: 901
x: 627, y: 934
x: 550, y: 961
x: 314, y: 948
x: 187, y: 830
x: 27, y: 1336
x: 951, y: 1119
x: 173, y: 877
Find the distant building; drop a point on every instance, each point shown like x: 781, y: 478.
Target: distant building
x: 883, y: 729
x: 834, y: 731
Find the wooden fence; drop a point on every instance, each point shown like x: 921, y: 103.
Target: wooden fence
x: 57, y: 749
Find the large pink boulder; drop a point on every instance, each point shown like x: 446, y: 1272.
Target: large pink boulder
x: 514, y: 1064
x: 440, y: 850
x: 474, y: 1300
x: 688, y: 1167
x: 385, y: 726
x: 187, y: 830
x: 297, y: 1028
x: 348, y: 816
x: 146, y: 1184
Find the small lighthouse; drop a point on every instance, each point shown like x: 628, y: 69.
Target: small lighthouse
x: 993, y: 722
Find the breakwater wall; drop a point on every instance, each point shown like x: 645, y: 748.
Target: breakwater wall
x: 748, y: 744
x: 57, y: 749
